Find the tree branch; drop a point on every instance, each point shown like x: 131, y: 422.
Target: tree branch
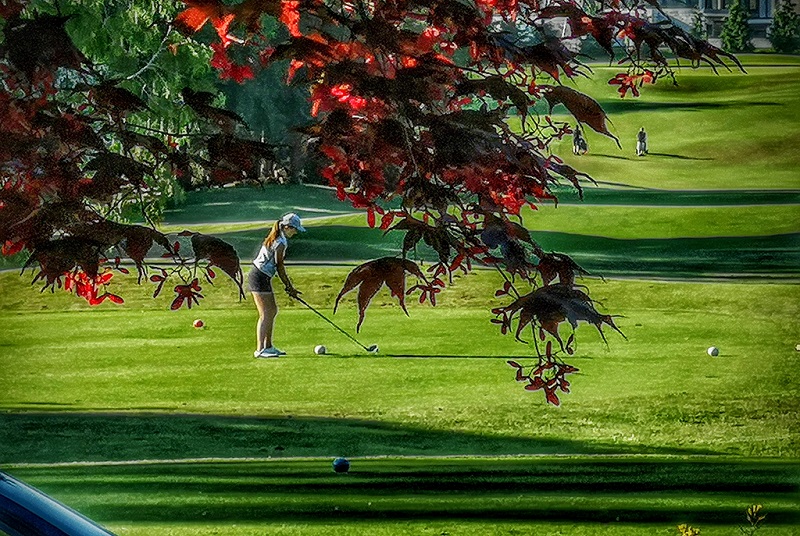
x: 153, y: 58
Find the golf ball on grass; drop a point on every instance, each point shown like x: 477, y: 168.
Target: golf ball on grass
x: 198, y: 323
x: 713, y: 351
x: 320, y: 350
x: 341, y: 465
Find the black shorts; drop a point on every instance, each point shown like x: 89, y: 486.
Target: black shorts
x: 258, y: 281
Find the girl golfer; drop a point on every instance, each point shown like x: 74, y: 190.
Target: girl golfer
x: 259, y: 281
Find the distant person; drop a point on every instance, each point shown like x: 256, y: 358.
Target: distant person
x: 259, y: 281
x: 641, y: 142
x: 579, y: 144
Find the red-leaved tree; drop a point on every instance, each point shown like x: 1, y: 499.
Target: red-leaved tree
x: 412, y: 100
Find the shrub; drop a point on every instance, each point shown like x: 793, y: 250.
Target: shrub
x: 735, y: 30
x: 784, y: 33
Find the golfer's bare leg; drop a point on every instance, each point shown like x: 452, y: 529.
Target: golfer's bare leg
x: 267, y: 310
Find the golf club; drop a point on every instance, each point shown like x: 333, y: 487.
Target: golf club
x: 373, y: 348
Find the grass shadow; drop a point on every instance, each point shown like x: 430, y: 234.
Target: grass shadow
x: 453, y: 356
x: 684, y: 198
x: 68, y: 436
x: 618, y: 106
x: 511, y: 490
x: 678, y: 156
x: 773, y: 255
x: 615, y: 157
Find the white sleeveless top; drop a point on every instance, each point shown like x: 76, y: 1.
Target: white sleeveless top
x: 266, y: 261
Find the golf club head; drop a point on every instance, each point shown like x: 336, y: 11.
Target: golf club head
x: 373, y: 348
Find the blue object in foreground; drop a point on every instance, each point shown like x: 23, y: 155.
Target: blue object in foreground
x: 25, y: 511
x: 341, y: 465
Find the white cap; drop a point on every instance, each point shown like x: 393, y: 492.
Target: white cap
x: 292, y: 220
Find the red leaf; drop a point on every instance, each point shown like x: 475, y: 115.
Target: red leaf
x: 564, y: 386
x: 97, y: 300
x: 584, y: 108
x: 10, y: 248
x: 371, y: 217
x: 123, y: 270
x: 211, y: 273
x: 116, y: 299
x: 197, y: 14
x: 294, y: 65
x: 176, y: 247
x: 220, y: 59
x: 176, y: 303
x: 536, y: 384
x: 552, y: 397
x: 221, y: 25
x: 238, y: 73
x: 156, y: 278
x: 386, y: 220
x: 290, y: 16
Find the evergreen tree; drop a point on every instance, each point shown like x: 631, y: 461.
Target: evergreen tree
x: 699, y: 30
x: 735, y: 30
x: 784, y: 34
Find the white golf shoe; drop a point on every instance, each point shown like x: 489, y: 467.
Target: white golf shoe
x: 270, y: 352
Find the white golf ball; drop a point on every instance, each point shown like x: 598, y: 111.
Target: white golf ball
x: 320, y: 349
x: 713, y: 351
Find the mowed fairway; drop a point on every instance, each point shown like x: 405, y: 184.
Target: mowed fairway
x: 710, y: 132
x: 139, y: 383
x: 152, y: 427
x: 430, y: 496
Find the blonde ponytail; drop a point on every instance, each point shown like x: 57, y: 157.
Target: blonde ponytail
x: 273, y: 235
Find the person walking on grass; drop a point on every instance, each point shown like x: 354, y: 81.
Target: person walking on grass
x: 641, y: 143
x: 259, y: 281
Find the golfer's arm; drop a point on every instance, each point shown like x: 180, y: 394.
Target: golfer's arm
x: 279, y: 253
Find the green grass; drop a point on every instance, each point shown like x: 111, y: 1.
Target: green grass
x: 206, y: 216
x: 103, y: 368
x: 254, y: 204
x: 429, y: 496
x: 727, y: 131
x: 671, y: 222
x: 701, y: 256
x: 638, y: 221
